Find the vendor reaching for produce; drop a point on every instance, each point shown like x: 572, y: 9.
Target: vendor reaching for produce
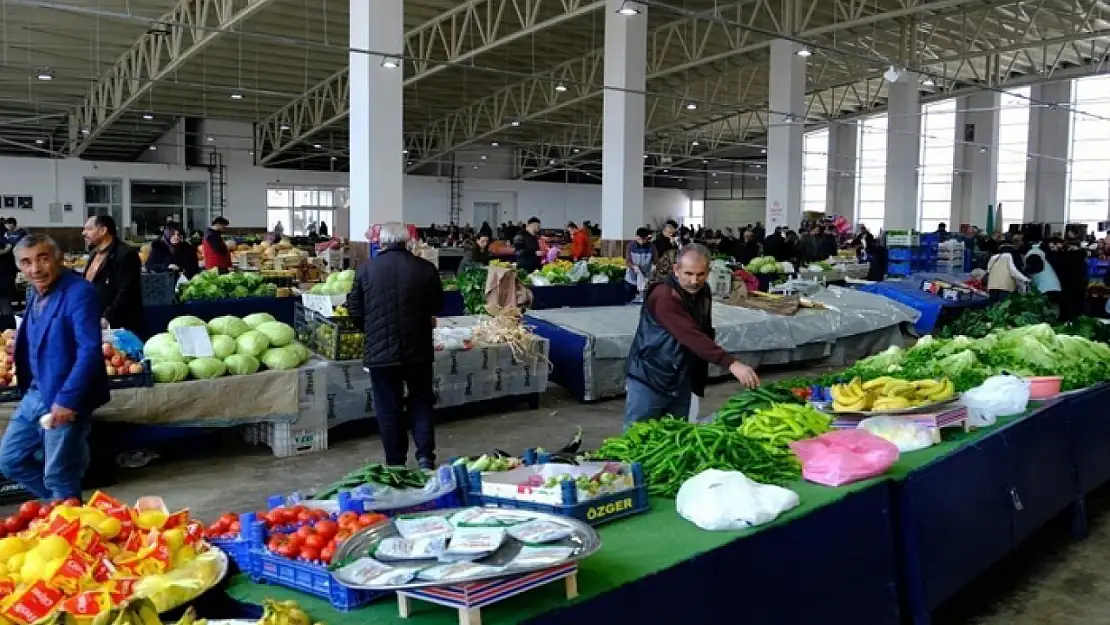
x: 674, y: 343
x: 395, y: 298
x: 529, y: 256
x: 216, y: 254
x: 475, y: 254
x: 172, y: 253
x: 58, y: 355
x: 114, y: 269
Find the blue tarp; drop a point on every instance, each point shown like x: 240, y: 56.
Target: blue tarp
x: 909, y: 292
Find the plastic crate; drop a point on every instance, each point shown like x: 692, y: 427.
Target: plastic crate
x: 594, y: 512
x: 133, y: 380
x: 334, y: 338
x: 287, y: 440
x: 899, y: 254
x: 902, y: 240
x: 899, y: 269
x: 312, y: 579
x: 158, y: 289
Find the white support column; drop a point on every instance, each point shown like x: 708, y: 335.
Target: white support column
x: 376, y: 120
x: 840, y: 192
x: 977, y: 137
x: 903, y: 154
x: 1046, y: 179
x: 622, y: 160
x: 785, y: 135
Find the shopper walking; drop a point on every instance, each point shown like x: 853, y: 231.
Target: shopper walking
x: 61, y: 373
x: 395, y: 299
x: 640, y: 261
x: 668, y: 361
x: 114, y: 269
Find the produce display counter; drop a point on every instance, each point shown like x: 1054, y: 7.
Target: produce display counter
x: 589, y: 346
x: 931, y: 307
x: 560, y: 296
x: 156, y: 318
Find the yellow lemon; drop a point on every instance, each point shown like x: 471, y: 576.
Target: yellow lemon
x: 16, y: 562
x: 175, y: 538
x: 91, y: 517
x: 3, y: 570
x: 5, y: 620
x: 10, y: 546
x: 32, y: 570
x: 151, y: 519
x: 68, y: 513
x: 52, y: 547
x: 109, y: 527
x: 113, y: 550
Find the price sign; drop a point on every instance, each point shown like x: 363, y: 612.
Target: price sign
x: 194, y: 341
x: 318, y: 303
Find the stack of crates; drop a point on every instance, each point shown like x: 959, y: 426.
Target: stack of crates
x: 334, y: 338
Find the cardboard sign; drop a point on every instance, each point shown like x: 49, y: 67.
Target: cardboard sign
x: 318, y: 303
x: 194, y: 341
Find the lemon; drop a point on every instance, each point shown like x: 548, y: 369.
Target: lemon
x: 91, y: 517
x: 175, y: 538
x: 109, y: 527
x: 10, y: 546
x: 3, y: 570
x: 68, y: 513
x: 52, y: 547
x: 113, y: 550
x: 32, y: 570
x: 151, y: 519
x: 15, y: 563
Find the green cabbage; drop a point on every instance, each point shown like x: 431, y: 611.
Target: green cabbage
x: 303, y: 353
x: 257, y: 319
x: 280, y: 334
x: 162, y: 347
x: 207, y: 368
x: 169, y: 372
x: 281, y: 358
x: 223, y: 346
x: 185, y: 321
x: 154, y: 344
x: 241, y: 364
x: 252, y: 343
x: 228, y: 325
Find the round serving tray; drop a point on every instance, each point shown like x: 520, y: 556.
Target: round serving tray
x: 923, y: 409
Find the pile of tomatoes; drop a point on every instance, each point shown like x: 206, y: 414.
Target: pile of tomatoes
x: 28, y: 512
x: 283, y: 518
x: 318, y: 540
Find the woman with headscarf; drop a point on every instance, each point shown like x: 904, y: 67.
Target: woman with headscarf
x: 172, y: 253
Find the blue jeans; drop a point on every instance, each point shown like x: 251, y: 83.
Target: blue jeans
x: 49, y: 463
x: 644, y: 403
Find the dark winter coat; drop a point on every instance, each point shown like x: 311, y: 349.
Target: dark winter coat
x: 119, y: 287
x: 395, y: 299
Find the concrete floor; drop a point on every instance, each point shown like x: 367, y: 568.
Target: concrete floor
x: 1050, y: 581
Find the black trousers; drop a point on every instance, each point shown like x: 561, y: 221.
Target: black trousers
x: 388, y: 385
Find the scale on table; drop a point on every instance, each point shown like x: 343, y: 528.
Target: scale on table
x: 796, y: 286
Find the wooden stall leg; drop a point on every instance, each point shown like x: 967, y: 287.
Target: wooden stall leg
x: 572, y: 585
x: 472, y: 616
x: 403, y: 607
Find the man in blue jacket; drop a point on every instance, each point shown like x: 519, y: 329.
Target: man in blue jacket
x: 60, y: 368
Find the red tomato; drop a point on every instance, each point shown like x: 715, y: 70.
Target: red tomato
x: 310, y: 554
x: 29, y: 510
x: 347, y: 518
x: 342, y: 536
x: 288, y: 551
x: 13, y: 524
x: 305, y: 531
x: 275, y: 543
x: 45, y: 511
x: 287, y: 515
x: 234, y: 528
x: 296, y: 540
x: 274, y: 518
x: 305, y: 516
x: 73, y: 501
x: 220, y: 525
x: 326, y: 554
x: 327, y: 529
x: 323, y: 515
x: 315, y: 541
x: 367, y: 519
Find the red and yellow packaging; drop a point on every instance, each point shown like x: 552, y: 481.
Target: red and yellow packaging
x: 7, y: 587
x: 32, y: 603
x: 194, y: 532
x: 177, y: 519
x: 75, y: 570
x: 154, y: 559
x: 121, y: 589
x: 88, y: 604
x: 102, y: 571
x: 58, y: 526
x: 105, y: 503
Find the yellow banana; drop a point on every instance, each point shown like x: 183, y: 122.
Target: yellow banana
x: 877, y: 383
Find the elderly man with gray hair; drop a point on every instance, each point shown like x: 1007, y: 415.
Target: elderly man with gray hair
x: 395, y: 299
x: 668, y: 361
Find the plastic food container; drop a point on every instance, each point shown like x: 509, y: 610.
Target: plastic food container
x: 1045, y: 387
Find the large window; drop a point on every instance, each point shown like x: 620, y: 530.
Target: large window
x: 154, y: 203
x: 1013, y: 155
x: 299, y: 208
x: 871, y: 172
x: 1089, y: 173
x: 815, y: 171
x: 696, y: 217
x: 938, y: 146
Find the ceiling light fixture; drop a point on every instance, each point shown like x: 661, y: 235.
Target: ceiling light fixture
x: 153, y: 148
x: 495, y: 144
x: 335, y: 158
x: 515, y: 123
x: 628, y: 9
x: 665, y: 171
x: 645, y: 156
x: 695, y: 143
x: 535, y: 171
x: 551, y: 162
x: 40, y: 141
x: 148, y: 116
x: 317, y: 146
x: 484, y: 157
x: 804, y: 53
x: 475, y: 167
x: 46, y: 74
x: 236, y: 95
x: 576, y: 150
x: 85, y: 131
x: 390, y: 63
x: 691, y: 106
x: 763, y: 151
x: 285, y: 127
x: 928, y: 82
x: 210, y: 138
x: 560, y: 87
x: 404, y: 151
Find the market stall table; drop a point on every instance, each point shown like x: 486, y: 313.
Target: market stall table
x: 931, y: 306
x: 558, y: 296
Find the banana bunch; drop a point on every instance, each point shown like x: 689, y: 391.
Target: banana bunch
x: 887, y: 393
x: 283, y: 613
x: 139, y: 611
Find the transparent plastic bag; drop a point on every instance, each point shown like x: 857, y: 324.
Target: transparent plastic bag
x: 906, y: 434
x: 579, y: 273
x: 998, y: 396
x: 844, y: 456
x: 730, y: 500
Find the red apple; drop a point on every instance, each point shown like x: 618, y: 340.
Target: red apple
x: 109, y: 351
x: 117, y: 360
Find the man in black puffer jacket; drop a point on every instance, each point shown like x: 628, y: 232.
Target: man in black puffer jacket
x: 395, y: 299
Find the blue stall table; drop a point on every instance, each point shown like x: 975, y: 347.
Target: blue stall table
x: 155, y: 318
x: 930, y: 306
x: 559, y: 296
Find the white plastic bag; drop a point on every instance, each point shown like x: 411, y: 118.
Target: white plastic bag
x: 998, y: 396
x: 729, y: 500
x: 579, y: 272
x: 538, y: 279
x: 907, y: 434
x: 695, y: 406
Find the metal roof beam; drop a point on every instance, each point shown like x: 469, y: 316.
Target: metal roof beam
x: 447, y: 40
x: 172, y: 41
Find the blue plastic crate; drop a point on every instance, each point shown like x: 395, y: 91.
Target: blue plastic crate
x: 594, y: 512
x: 312, y: 579
x: 238, y: 549
x: 898, y: 254
x: 899, y: 269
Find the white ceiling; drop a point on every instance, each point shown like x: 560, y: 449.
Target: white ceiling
x: 123, y: 71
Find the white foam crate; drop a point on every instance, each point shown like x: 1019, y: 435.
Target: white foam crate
x: 287, y: 439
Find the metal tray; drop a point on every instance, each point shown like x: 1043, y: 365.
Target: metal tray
x: 923, y: 409
x: 585, y: 542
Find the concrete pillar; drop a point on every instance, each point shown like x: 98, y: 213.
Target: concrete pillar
x: 840, y: 194
x: 1046, y: 179
x: 376, y: 119
x: 786, y: 135
x: 975, y: 188
x: 622, y: 157
x: 903, y: 154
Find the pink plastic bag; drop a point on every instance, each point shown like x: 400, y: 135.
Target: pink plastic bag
x: 844, y: 456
